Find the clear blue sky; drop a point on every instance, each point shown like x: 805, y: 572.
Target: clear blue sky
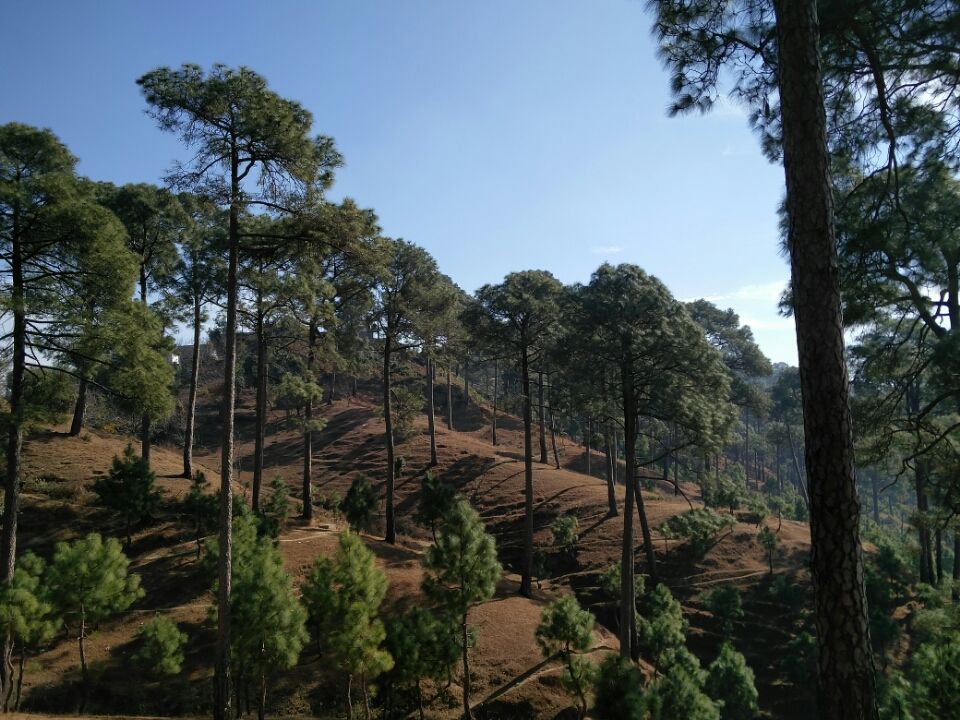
x: 499, y: 135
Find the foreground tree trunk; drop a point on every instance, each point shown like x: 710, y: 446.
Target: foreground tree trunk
x: 192, y: 397
x: 846, y: 673
x: 80, y: 409
x: 526, y: 571
x: 307, y: 510
x: 223, y: 696
x: 260, y: 421
x: 391, y: 530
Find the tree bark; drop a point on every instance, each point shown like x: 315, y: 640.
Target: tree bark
x: 611, y: 482
x: 526, y: 571
x: 223, y: 696
x: 391, y: 531
x: 84, y: 675
x: 543, y: 420
x: 553, y: 440
x: 192, y: 397
x: 496, y: 388
x: 260, y: 420
x: 467, y: 715
x: 627, y: 582
x: 846, y: 672
x: 449, y: 399
x: 80, y: 409
x: 587, y: 442
x: 431, y: 419
x: 307, y: 481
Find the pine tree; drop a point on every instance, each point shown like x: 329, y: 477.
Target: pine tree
x: 343, y: 597
x: 411, y: 292
x: 270, y: 628
x: 724, y: 603
x: 162, y: 649
x: 237, y: 130
x: 423, y: 646
x: 618, y: 691
x: 437, y: 499
x: 461, y: 570
x: 275, y: 510
x: 26, y: 616
x: 359, y: 504
x: 662, y: 628
x: 129, y: 490
x: 678, y: 692
x: 567, y: 630
x: 61, y: 254
x: 518, y: 318
x: 202, y: 506
x: 88, y: 581
x: 730, y: 683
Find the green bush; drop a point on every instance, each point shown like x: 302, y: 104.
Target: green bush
x: 567, y: 629
x: 730, y: 682
x: 162, y: 650
x: 564, y: 531
x: 128, y: 489
x: 768, y: 540
x: 437, y: 499
x: 618, y: 691
x: 407, y: 405
x: 275, y: 509
x: 360, y: 503
x: 799, y: 661
x: 732, y: 488
x: 724, y: 603
x: 698, y: 527
x: 756, y: 506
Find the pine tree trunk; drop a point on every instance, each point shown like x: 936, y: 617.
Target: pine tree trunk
x: 875, y: 488
x: 586, y: 442
x: 467, y: 715
x: 85, y: 679
x: 553, y: 440
x: 145, y: 431
x: 22, y: 664
x: 627, y: 582
x: 846, y: 673
x: 449, y: 399
x: 307, y: 480
x: 391, y: 531
x: 223, y: 697
x: 496, y: 388
x: 80, y: 409
x: 192, y: 398
x: 543, y: 420
x: 611, y: 482
x: 260, y: 418
x: 431, y: 419
x: 526, y: 571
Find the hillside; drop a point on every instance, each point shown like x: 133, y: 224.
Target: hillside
x: 510, y: 678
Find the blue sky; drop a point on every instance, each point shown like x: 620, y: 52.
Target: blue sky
x: 499, y: 135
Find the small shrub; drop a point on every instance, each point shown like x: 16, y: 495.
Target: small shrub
x: 407, y: 406
x: 799, y: 661
x: 128, y: 489
x: 724, y: 603
x: 437, y: 499
x: 730, y: 682
x: 564, y: 531
x: 618, y: 691
x: 162, y: 651
x: 360, y: 504
x: 788, y: 593
x: 768, y: 540
x: 276, y: 509
x: 756, y: 507
x: 698, y: 527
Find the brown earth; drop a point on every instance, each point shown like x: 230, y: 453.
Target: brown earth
x: 509, y: 681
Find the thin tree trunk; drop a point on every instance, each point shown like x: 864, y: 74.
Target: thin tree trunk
x: 611, y: 482
x: 80, y: 409
x: 260, y: 420
x: 587, y: 442
x: 223, y: 696
x: 846, y: 673
x: 331, y: 396
x: 955, y: 593
x: 938, y: 545
x: 496, y: 388
x: 449, y: 399
x: 350, y: 697
x: 627, y: 582
x: 192, y: 398
x: 467, y: 715
x: 875, y: 488
x: 553, y: 440
x: 526, y: 571
x: 145, y: 431
x: 307, y: 480
x: 391, y: 531
x: 543, y: 419
x: 85, y: 679
x: 22, y: 664
x: 431, y: 419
